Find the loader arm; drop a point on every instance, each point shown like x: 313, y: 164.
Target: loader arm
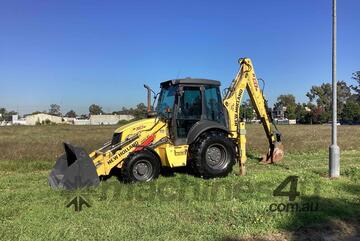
x: 114, y: 157
x: 246, y: 79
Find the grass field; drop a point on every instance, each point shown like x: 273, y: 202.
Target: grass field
x: 178, y: 206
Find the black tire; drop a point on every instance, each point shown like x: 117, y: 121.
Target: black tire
x: 212, y: 155
x: 140, y: 166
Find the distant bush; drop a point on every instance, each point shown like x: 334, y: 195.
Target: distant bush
x: 44, y: 122
x: 123, y: 122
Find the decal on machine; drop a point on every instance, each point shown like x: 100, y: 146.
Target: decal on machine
x: 237, y: 106
x: 180, y: 153
x: 122, y: 152
x: 256, y: 83
x: 139, y: 128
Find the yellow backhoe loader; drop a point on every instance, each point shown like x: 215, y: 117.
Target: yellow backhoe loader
x: 192, y: 126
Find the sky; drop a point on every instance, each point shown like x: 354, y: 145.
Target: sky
x: 76, y: 53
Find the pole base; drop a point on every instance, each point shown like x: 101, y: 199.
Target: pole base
x: 334, y: 161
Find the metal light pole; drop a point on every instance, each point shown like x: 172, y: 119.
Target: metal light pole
x: 334, y: 150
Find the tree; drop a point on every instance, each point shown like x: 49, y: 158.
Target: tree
x: 55, y: 110
x: 247, y: 111
x: 319, y: 115
x: 351, y: 112
x: 124, y: 111
x: 303, y: 116
x: 71, y: 114
x: 290, y: 112
x: 322, y: 96
x: 95, y: 109
x: 6, y: 115
x: 287, y: 101
x: 139, y: 112
x: 356, y: 88
x: 36, y: 112
x: 343, y: 94
x: 2, y: 113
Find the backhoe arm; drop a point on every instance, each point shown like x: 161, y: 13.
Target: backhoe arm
x: 246, y: 79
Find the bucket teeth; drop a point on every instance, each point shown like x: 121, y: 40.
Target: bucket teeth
x: 74, y: 169
x: 275, y: 154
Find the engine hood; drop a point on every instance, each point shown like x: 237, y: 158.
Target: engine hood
x: 137, y: 126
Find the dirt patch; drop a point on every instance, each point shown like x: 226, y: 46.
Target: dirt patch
x: 334, y: 230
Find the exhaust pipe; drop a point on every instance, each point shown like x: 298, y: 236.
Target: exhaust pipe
x: 150, y: 112
x: 74, y: 169
x: 148, y: 98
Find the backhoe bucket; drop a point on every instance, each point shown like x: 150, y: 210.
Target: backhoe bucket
x: 74, y: 169
x: 275, y: 154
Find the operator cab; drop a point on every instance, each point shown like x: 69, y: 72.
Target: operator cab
x: 186, y: 102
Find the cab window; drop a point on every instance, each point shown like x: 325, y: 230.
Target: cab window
x: 213, y: 104
x: 189, y: 110
x: 166, y: 100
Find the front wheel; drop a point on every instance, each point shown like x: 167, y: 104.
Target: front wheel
x: 141, y: 166
x: 212, y: 155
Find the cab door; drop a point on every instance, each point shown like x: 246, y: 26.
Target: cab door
x: 188, y: 111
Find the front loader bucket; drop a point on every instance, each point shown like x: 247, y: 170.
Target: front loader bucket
x: 74, y: 169
x: 275, y: 154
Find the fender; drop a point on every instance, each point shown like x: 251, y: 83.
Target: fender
x: 202, y: 126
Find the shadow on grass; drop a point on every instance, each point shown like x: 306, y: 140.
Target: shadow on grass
x: 335, y: 219
x: 165, y: 172
x: 171, y: 172
x: 254, y: 157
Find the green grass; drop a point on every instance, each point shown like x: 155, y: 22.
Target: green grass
x: 177, y: 206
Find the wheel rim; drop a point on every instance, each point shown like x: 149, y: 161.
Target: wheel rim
x: 143, y: 170
x: 217, y: 156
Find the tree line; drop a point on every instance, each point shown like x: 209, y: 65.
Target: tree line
x: 138, y: 112
x: 316, y: 111
x: 318, y: 108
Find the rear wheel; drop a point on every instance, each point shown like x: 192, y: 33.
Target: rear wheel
x: 141, y: 166
x: 212, y: 155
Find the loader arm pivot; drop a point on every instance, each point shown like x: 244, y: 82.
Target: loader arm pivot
x: 246, y: 79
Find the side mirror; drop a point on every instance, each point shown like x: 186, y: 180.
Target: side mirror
x: 180, y: 91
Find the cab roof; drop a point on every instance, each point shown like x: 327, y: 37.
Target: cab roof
x: 190, y: 81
